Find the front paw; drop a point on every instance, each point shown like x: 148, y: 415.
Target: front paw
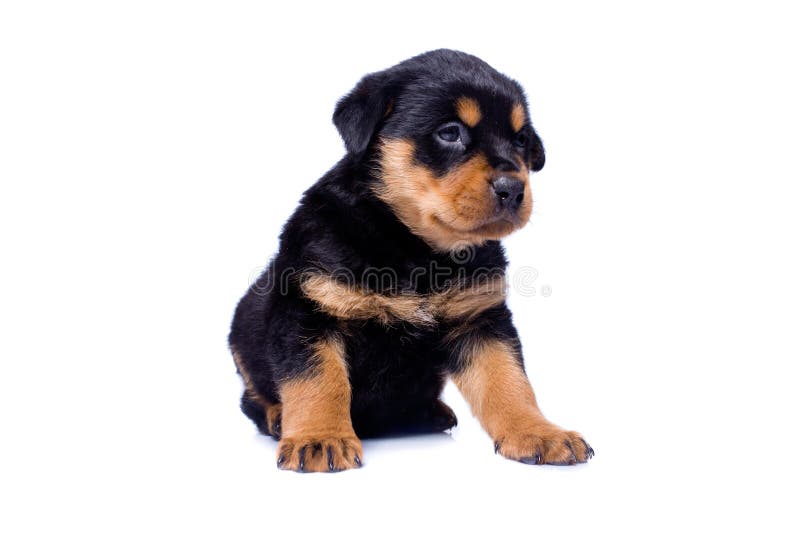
x: 544, y: 444
x: 320, y: 453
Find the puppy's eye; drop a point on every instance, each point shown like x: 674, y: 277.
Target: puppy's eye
x: 449, y: 133
x: 520, y: 140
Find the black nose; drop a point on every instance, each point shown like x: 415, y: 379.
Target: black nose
x: 509, y: 191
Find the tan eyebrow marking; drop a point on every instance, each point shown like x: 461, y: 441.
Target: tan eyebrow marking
x: 517, y: 117
x: 468, y: 110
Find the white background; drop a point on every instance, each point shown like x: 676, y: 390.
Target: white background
x: 150, y: 151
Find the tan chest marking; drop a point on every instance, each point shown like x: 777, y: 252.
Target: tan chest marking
x: 466, y: 302
x: 350, y: 302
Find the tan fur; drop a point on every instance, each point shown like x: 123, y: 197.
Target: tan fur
x: 345, y: 302
x: 517, y: 117
x: 466, y: 303
x: 272, y: 410
x: 316, y: 415
x: 249, y: 386
x: 468, y: 111
x: 449, y: 211
x: 502, y: 399
x: 459, y: 302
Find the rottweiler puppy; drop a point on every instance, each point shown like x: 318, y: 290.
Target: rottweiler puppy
x: 389, y: 278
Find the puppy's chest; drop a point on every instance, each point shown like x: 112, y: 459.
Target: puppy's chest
x: 457, y: 300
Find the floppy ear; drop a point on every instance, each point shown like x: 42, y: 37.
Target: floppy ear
x: 536, y: 154
x: 358, y: 114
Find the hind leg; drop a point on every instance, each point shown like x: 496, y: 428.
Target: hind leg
x: 266, y: 416
x: 437, y: 417
x: 264, y: 413
x: 430, y: 418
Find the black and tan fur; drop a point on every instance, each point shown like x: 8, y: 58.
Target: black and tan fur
x: 390, y: 277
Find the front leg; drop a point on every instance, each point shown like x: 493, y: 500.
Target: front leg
x: 491, y: 377
x: 317, y: 432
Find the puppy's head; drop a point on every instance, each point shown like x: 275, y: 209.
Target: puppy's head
x: 453, y: 146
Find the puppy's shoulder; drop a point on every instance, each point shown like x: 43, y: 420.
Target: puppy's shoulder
x: 330, y: 219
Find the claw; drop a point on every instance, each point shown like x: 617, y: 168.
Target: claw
x: 532, y: 460
x: 496, y: 446
x: 330, y: 459
x: 281, y: 459
x: 302, y: 459
x: 358, y: 461
x: 276, y: 429
x: 589, y: 450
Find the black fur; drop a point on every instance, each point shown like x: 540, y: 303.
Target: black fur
x: 397, y: 372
